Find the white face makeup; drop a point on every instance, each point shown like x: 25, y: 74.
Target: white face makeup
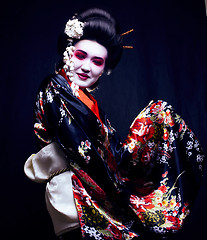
x: 89, y: 61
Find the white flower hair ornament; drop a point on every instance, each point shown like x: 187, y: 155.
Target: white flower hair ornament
x: 74, y: 30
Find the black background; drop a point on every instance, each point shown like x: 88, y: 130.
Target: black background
x: 169, y: 62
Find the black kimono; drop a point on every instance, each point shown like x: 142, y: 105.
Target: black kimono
x: 147, y: 183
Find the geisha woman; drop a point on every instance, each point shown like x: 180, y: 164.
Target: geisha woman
x: 96, y: 186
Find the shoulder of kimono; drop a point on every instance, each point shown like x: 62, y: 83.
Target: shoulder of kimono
x: 54, y: 80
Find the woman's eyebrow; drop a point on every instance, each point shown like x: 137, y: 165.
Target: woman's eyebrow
x: 98, y: 58
x: 79, y: 50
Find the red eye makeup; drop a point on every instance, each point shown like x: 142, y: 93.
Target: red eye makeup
x: 98, y: 61
x: 80, y: 54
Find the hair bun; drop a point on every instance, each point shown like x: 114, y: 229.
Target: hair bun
x: 97, y: 13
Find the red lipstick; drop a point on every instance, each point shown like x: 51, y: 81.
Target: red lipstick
x: 83, y: 76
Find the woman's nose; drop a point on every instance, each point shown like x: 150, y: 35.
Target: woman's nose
x: 86, y: 66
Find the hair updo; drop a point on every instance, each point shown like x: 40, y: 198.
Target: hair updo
x: 101, y: 27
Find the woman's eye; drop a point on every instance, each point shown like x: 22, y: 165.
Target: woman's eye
x: 80, y: 56
x: 98, y: 62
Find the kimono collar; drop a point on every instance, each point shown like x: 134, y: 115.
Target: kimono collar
x: 85, y: 97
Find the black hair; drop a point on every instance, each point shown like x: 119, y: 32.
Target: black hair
x: 101, y: 27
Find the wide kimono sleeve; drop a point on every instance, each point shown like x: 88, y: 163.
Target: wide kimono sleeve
x: 163, y: 161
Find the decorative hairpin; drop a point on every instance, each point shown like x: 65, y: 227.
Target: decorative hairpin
x: 74, y: 28
x: 128, y: 47
x: 126, y: 33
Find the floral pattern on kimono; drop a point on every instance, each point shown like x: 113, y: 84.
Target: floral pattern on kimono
x: 114, y: 184
x: 160, y: 139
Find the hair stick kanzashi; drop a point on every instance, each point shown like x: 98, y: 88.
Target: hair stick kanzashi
x: 126, y: 33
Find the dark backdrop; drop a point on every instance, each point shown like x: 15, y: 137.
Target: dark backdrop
x: 169, y: 61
